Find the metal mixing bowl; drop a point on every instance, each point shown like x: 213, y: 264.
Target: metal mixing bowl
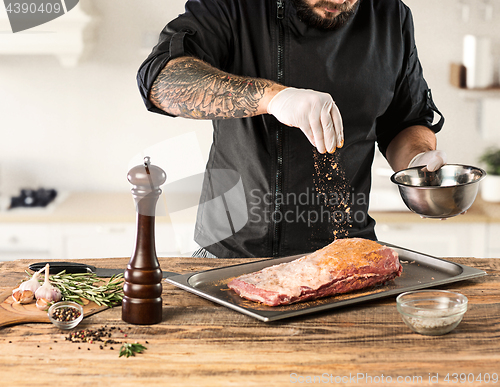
x: 447, y: 192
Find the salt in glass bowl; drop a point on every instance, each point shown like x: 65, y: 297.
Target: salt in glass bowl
x: 59, y: 306
x: 432, y: 312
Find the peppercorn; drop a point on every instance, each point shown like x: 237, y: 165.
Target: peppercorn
x: 66, y: 314
x: 90, y: 336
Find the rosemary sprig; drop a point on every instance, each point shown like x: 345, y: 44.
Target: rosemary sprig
x: 129, y: 349
x: 76, y: 286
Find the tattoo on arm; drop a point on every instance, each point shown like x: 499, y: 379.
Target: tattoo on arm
x: 191, y: 88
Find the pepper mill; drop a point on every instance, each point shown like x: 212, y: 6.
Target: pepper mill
x: 142, y: 303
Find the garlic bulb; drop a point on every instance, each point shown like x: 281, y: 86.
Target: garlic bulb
x: 25, y: 293
x: 46, y: 293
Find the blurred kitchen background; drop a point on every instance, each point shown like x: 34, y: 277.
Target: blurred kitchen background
x: 72, y: 120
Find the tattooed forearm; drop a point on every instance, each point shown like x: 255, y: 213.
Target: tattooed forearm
x: 190, y: 88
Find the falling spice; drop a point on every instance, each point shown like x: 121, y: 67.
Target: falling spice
x: 331, y: 185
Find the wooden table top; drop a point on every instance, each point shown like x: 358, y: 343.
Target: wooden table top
x: 200, y: 343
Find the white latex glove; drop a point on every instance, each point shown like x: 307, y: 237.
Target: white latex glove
x: 314, y: 113
x: 433, y: 160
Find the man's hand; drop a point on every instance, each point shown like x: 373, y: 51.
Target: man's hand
x: 432, y: 160
x: 315, y: 113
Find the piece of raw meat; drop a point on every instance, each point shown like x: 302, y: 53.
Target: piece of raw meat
x: 342, y: 266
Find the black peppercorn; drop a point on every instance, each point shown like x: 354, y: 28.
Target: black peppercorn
x: 66, y: 314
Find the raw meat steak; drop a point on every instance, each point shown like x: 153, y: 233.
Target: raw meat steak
x: 342, y: 266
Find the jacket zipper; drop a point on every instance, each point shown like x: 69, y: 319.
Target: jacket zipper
x: 279, y: 134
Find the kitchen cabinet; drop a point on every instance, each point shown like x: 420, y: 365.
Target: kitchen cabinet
x: 474, y: 234
x: 112, y: 240
x: 62, y: 37
x: 493, y: 240
x: 95, y: 240
x: 79, y: 241
x: 86, y: 225
x: 26, y: 241
x: 438, y: 239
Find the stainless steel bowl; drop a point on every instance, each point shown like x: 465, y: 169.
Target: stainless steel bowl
x: 447, y: 192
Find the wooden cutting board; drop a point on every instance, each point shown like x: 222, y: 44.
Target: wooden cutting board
x: 12, y: 313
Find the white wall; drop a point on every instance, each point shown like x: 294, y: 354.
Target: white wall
x: 439, y: 31
x: 78, y: 128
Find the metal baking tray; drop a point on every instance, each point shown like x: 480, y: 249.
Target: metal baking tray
x: 419, y: 271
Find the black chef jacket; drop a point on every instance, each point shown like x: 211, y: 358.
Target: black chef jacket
x: 280, y: 196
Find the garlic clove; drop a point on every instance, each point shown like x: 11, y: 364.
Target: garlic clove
x: 42, y: 303
x: 22, y: 296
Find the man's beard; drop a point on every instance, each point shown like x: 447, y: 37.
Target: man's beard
x: 309, y: 16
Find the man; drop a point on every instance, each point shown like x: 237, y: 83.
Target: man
x: 299, y: 92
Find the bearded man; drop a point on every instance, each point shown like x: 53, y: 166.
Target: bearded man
x: 299, y: 92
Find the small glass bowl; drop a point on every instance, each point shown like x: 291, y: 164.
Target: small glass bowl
x: 432, y: 312
x: 58, y: 307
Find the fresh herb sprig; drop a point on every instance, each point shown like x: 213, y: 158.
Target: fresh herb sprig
x: 88, y: 286
x: 129, y: 349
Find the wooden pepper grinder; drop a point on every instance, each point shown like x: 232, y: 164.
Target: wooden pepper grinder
x: 142, y: 303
